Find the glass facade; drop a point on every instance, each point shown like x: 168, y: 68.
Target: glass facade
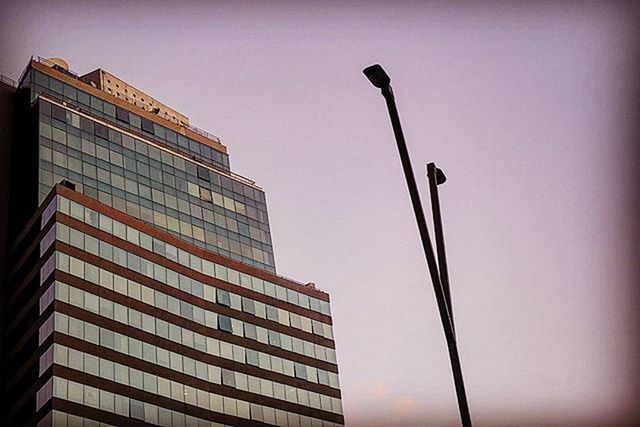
x: 166, y: 188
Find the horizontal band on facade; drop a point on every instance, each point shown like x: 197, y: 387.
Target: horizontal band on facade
x: 156, y: 312
x: 79, y: 410
x: 202, y: 278
x: 167, y: 344
x: 190, y: 325
x: 144, y: 396
x: 172, y: 375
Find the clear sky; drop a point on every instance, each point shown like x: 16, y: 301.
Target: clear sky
x: 525, y: 107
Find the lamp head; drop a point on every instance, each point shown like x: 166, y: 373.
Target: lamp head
x: 377, y: 76
x: 441, y: 178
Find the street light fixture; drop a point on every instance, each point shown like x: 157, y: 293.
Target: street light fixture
x: 377, y: 76
x: 380, y: 79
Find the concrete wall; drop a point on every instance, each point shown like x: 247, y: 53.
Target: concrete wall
x: 112, y: 85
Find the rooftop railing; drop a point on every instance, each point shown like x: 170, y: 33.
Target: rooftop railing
x: 9, y: 81
x: 204, y: 133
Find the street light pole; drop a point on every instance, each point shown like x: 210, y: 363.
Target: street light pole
x: 436, y: 177
x: 381, y: 80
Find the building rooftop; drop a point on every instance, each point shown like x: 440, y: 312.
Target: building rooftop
x: 106, y: 86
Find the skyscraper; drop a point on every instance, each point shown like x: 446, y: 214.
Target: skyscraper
x: 140, y: 283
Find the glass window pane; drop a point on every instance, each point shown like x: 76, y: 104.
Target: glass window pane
x: 224, y: 324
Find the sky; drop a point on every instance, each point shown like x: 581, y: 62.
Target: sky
x: 528, y: 108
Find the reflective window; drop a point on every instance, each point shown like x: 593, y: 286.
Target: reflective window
x: 224, y: 324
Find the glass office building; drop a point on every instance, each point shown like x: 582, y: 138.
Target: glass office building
x: 140, y: 286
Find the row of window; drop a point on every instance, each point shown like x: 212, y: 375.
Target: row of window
x: 177, y: 334
x: 75, y: 127
x: 95, y: 105
x: 183, y: 309
x: 62, y: 419
x: 151, y: 162
x: 91, y: 127
x: 153, y: 414
x: 205, y: 239
x: 201, y: 265
x: 186, y: 284
x: 156, y: 202
x: 97, y: 366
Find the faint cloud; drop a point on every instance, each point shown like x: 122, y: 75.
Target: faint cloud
x: 382, y: 398
x: 406, y: 407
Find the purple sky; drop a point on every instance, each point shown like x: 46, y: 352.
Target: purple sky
x: 526, y: 109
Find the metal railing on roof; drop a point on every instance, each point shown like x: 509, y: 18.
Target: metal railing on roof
x: 48, y: 64
x: 204, y: 133
x: 7, y: 80
x: 57, y: 67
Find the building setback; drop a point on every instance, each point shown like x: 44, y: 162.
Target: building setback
x: 139, y: 286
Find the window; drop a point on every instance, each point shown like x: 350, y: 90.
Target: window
x: 250, y: 331
x: 107, y: 369
x: 46, y: 298
x: 122, y: 115
x: 228, y: 378
x: 147, y: 125
x: 58, y: 113
x: 44, y: 394
x: 107, y: 401
x: 193, y: 189
x: 86, y: 125
x: 248, y: 306
x: 272, y: 313
x: 136, y: 409
x: 47, y: 328
x: 323, y: 377
x: 224, y: 324
x: 252, y: 357
x: 203, y: 173
x: 91, y: 364
x: 205, y: 194
x: 101, y: 130
x: 300, y: 371
x: 46, y: 360
x: 274, y: 338
x: 223, y: 298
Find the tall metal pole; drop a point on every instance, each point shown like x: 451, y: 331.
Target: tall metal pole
x: 436, y: 177
x: 383, y: 82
